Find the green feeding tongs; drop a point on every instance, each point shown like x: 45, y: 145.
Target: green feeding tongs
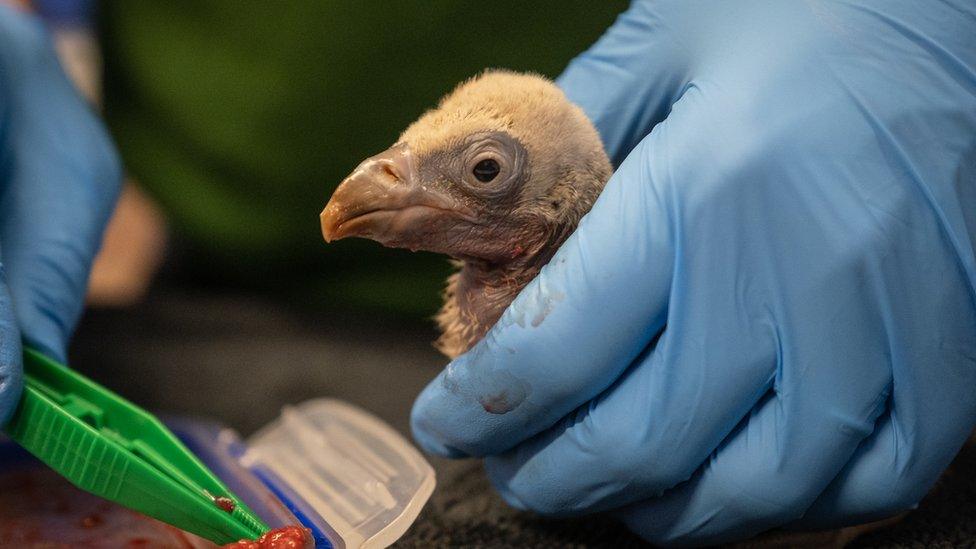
x: 110, y: 447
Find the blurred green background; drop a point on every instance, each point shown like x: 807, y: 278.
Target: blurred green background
x: 240, y: 118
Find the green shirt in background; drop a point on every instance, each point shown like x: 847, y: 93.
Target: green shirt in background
x: 240, y: 118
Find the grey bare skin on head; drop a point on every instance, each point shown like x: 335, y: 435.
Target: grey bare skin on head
x: 496, y: 177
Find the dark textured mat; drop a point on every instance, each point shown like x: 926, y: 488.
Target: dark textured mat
x: 239, y: 359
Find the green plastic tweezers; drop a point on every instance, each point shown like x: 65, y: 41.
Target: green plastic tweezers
x: 110, y: 447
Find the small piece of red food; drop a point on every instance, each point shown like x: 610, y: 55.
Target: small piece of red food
x: 289, y: 537
x: 226, y: 504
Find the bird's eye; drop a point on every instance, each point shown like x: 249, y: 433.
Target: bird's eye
x: 486, y: 170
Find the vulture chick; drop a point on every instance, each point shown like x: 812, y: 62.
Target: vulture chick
x: 496, y: 177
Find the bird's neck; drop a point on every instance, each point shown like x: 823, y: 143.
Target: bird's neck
x: 475, y: 298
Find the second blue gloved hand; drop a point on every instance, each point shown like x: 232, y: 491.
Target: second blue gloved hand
x: 59, y: 177
x: 769, y: 317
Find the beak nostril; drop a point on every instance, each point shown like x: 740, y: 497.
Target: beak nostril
x: 388, y: 170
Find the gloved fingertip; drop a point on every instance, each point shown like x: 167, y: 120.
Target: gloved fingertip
x: 511, y: 499
x: 11, y: 387
x: 11, y: 359
x: 425, y: 433
x: 11, y: 354
x: 432, y: 444
x: 500, y: 474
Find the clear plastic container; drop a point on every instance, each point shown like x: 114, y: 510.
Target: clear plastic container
x: 341, y: 472
x: 346, y: 473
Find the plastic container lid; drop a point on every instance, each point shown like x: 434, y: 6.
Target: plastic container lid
x: 342, y: 471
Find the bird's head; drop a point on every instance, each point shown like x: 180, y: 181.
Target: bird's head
x: 503, y: 168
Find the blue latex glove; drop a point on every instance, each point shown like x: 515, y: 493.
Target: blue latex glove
x: 769, y: 317
x: 59, y: 177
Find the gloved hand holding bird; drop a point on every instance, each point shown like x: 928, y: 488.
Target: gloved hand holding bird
x: 496, y: 177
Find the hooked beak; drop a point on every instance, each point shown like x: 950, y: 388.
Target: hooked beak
x: 382, y: 200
